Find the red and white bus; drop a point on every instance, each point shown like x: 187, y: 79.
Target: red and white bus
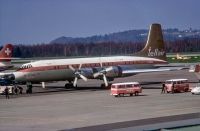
x: 130, y: 88
x: 177, y: 85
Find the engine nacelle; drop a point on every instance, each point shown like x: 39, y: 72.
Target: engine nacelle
x: 116, y: 72
x: 88, y: 72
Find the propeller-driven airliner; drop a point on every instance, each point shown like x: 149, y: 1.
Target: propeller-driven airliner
x: 104, y: 68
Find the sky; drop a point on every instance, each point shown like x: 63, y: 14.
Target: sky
x: 40, y: 21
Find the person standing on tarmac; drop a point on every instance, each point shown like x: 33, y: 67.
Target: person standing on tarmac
x: 20, y: 89
x: 16, y: 90
x: 163, y: 88
x: 7, y: 92
x: 173, y: 87
x: 29, y: 88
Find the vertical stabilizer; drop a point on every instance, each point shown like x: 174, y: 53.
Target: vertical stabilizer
x: 6, y: 52
x: 154, y: 47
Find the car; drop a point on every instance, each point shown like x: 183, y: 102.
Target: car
x: 196, y: 90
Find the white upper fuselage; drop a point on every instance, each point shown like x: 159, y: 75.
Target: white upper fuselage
x: 5, y: 65
x: 97, y: 60
x: 58, y: 69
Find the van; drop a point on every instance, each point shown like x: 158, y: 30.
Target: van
x: 10, y: 89
x: 130, y: 88
x: 6, y: 83
x: 177, y: 85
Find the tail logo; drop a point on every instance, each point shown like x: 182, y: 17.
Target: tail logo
x: 156, y: 52
x: 7, y: 51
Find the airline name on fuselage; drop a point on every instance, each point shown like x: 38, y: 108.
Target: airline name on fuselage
x: 155, y: 52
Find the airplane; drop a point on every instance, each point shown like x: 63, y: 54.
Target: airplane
x: 103, y: 68
x: 6, y: 57
x: 180, y: 57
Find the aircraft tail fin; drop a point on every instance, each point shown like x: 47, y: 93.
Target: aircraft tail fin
x: 6, y: 52
x: 155, y: 47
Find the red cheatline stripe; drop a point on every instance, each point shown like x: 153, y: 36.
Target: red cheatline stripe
x: 91, y: 65
x: 5, y: 60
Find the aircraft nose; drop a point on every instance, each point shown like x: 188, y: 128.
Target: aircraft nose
x: 19, y: 76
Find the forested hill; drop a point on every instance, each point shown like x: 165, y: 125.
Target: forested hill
x: 122, y: 43
x: 100, y: 49
x: 130, y: 36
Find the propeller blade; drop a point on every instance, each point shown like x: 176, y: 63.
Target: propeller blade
x: 75, y: 81
x: 80, y: 66
x: 72, y: 68
x: 83, y: 77
x: 101, y: 64
x: 97, y: 74
x: 109, y: 69
x: 102, y: 71
x: 105, y: 80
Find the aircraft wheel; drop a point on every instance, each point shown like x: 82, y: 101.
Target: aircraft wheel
x: 107, y: 87
x: 102, y: 85
x: 69, y: 85
x: 186, y: 90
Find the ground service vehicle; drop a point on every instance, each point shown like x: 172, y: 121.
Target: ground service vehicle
x: 4, y: 83
x: 131, y: 88
x: 2, y: 89
x: 177, y: 85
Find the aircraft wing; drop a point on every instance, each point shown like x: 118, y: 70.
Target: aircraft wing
x: 136, y: 71
x: 183, y: 65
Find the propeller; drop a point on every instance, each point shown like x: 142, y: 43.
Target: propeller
x: 103, y: 73
x: 77, y: 74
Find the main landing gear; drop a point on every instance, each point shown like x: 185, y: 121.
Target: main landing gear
x: 69, y: 85
x: 106, y: 87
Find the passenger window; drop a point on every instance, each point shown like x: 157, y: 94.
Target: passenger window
x: 121, y: 86
x: 129, y: 85
x: 136, y: 85
x: 113, y: 86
